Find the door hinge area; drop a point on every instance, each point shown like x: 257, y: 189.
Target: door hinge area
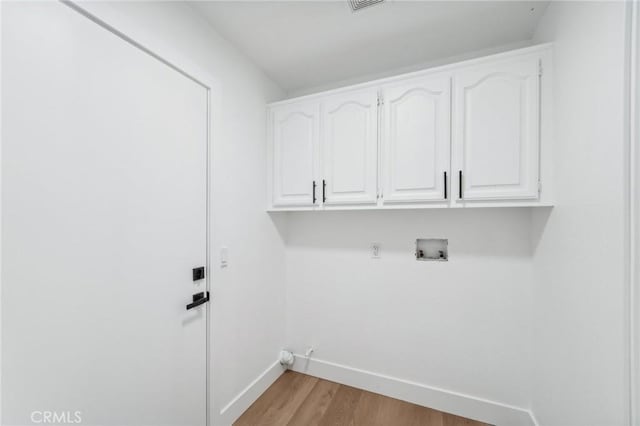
x: 539, y: 187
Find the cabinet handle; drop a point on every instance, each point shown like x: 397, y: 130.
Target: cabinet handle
x: 314, y: 192
x: 460, y: 184
x: 445, y: 185
x: 324, y: 190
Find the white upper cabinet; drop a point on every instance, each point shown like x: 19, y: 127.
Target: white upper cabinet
x: 349, y: 148
x: 295, y: 132
x: 473, y: 134
x: 496, y: 128
x: 416, y: 142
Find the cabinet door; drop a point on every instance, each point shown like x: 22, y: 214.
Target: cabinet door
x: 496, y: 130
x: 350, y: 144
x: 295, y: 140
x: 416, y: 144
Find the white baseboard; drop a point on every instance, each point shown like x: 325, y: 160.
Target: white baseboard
x: 471, y: 407
x: 244, y: 399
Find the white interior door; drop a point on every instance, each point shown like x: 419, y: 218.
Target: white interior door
x: 104, y: 169
x: 416, y: 143
x: 295, y: 142
x: 496, y: 142
x: 349, y: 145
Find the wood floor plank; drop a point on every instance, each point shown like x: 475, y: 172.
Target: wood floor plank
x: 367, y: 411
x: 278, y: 404
x: 340, y: 410
x: 379, y: 410
x: 299, y: 400
x: 262, y: 404
x: 453, y: 420
x: 313, y: 408
x: 280, y: 414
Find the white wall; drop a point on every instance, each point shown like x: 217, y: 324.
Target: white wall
x: 249, y: 295
x: 461, y: 325
x: 579, y: 293
x: 416, y: 67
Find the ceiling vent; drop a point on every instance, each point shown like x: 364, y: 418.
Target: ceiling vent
x: 361, y: 4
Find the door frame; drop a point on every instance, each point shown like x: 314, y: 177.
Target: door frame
x: 110, y: 19
x: 632, y: 208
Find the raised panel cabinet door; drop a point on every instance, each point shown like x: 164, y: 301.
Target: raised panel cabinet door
x: 496, y: 130
x: 416, y: 143
x: 295, y: 138
x: 350, y: 148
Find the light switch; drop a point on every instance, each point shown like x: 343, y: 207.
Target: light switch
x: 375, y: 250
x: 224, y: 257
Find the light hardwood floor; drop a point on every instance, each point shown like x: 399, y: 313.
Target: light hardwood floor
x: 299, y: 400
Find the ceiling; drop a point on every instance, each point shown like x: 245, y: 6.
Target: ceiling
x: 307, y: 44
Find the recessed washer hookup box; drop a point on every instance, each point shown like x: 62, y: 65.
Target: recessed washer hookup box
x: 436, y: 249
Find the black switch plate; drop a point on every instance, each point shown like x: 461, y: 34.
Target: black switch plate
x: 198, y: 273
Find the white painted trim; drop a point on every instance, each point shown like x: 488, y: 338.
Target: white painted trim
x: 460, y: 404
x: 248, y: 395
x: 422, y: 73
x: 1, y: 381
x: 533, y: 418
x: 414, y: 206
x: 633, y: 204
x: 107, y: 17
